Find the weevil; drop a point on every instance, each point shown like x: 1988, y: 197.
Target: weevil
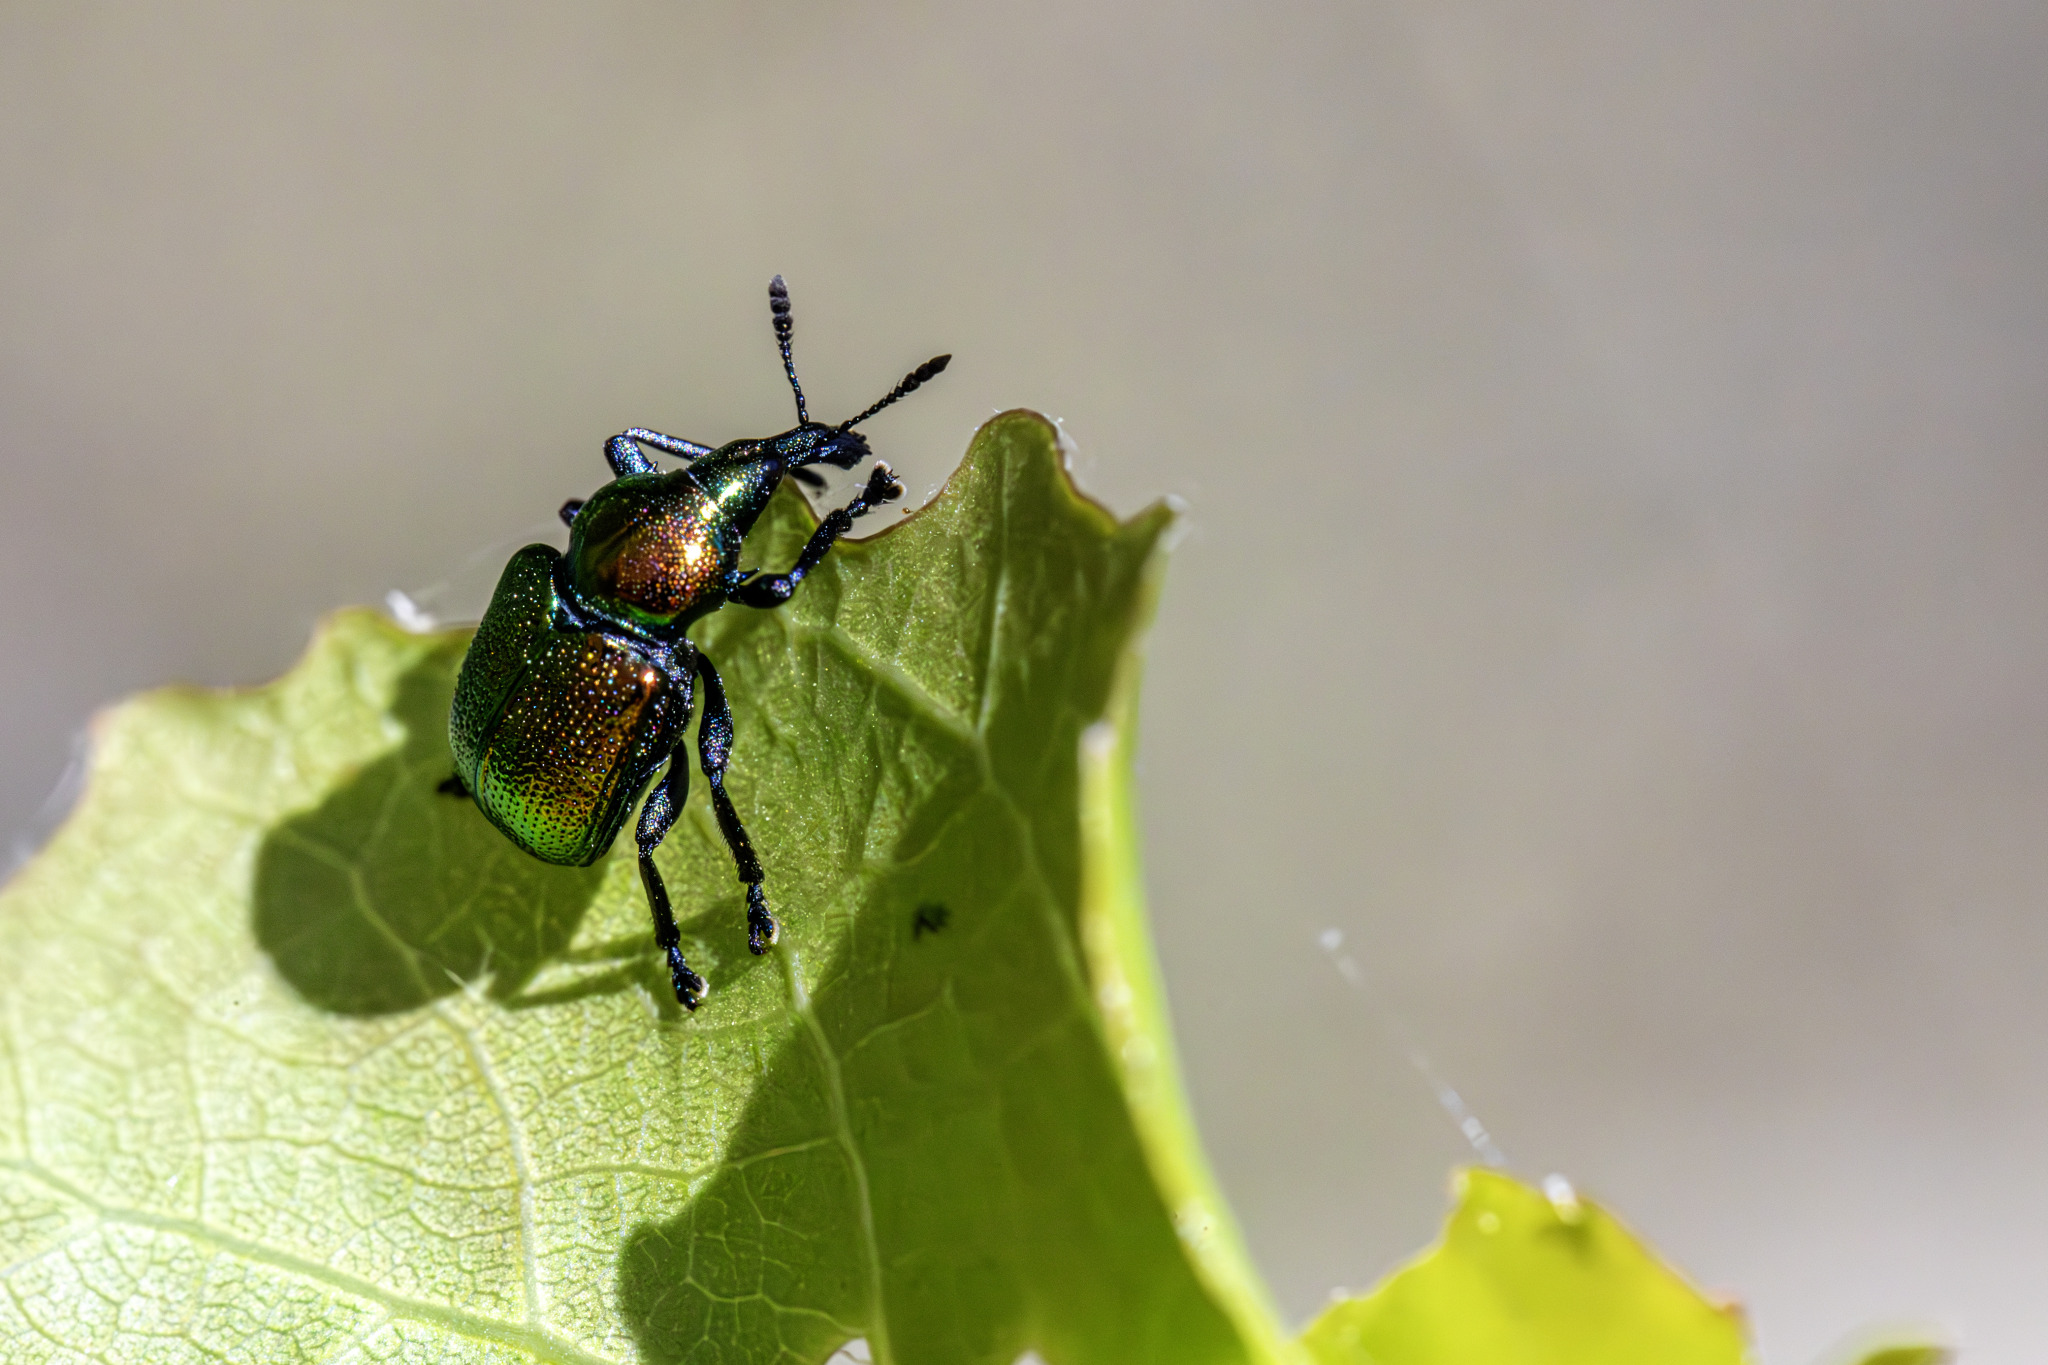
x: 581, y: 679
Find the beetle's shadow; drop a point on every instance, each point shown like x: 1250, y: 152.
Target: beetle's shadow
x: 390, y: 894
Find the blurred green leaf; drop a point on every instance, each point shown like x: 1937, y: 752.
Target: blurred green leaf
x: 1522, y: 1279
x: 1898, y: 1350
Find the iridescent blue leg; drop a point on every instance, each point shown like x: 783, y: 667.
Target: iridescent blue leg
x: 772, y: 590
x: 714, y: 750
x: 626, y: 456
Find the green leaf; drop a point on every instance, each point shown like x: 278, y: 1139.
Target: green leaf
x: 304, y: 1062
x: 1520, y: 1278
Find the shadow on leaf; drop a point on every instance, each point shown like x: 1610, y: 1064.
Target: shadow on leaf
x: 390, y: 894
x: 765, y: 1250
x: 875, y: 1180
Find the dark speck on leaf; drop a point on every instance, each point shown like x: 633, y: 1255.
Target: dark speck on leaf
x: 930, y: 919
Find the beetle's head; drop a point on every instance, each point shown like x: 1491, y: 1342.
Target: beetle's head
x: 814, y: 442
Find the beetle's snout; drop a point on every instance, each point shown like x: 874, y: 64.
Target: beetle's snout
x: 815, y: 443
x: 842, y: 449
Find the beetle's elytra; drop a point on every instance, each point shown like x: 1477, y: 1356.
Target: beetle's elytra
x: 581, y: 679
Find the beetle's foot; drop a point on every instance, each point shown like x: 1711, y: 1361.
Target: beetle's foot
x: 690, y: 987
x: 762, y: 930
x: 883, y: 485
x: 453, y: 785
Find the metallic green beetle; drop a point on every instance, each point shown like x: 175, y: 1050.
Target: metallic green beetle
x: 579, y: 683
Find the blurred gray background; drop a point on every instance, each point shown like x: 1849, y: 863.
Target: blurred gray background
x: 1613, y: 438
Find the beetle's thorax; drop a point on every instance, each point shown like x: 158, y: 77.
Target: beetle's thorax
x: 652, y: 551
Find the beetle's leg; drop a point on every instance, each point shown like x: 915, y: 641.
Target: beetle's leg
x: 714, y: 750
x: 626, y: 456
x: 664, y: 803
x: 774, y: 589
x: 569, y: 510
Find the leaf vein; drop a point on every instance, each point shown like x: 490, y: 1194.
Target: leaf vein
x: 515, y: 1140
x: 534, y: 1340
x: 842, y: 1123
x: 527, y: 1337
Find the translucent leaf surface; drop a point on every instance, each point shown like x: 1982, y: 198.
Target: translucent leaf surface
x: 305, y: 1062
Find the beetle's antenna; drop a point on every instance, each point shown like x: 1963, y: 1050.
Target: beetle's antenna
x: 778, y: 305
x: 912, y: 382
